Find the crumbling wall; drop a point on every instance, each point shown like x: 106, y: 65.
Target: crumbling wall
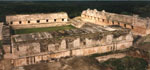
x: 36, y: 18
x: 67, y: 46
x: 73, y: 52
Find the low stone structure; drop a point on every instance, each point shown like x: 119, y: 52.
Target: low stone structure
x: 138, y: 25
x: 36, y: 18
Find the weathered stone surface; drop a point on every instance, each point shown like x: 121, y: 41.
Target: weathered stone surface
x: 51, y: 47
x: 27, y: 49
x: 88, y: 42
x: 62, y: 45
x: 109, y: 39
x: 76, y: 43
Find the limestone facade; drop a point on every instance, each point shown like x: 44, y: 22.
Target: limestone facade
x: 36, y: 18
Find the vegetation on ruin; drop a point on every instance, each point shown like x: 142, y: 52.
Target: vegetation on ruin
x: 45, y: 29
x: 126, y: 63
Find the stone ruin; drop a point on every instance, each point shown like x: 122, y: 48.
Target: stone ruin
x: 94, y: 33
x: 32, y: 48
x: 138, y: 25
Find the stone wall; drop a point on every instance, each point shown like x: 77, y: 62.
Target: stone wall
x: 36, y: 18
x: 139, y: 26
x: 73, y: 52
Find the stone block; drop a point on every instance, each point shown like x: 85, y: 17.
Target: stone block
x: 62, y: 45
x: 38, y: 59
x: 109, y: 39
x: 6, y: 48
x: 88, y: 42
x: 51, y: 47
x: 129, y: 37
x: 76, y: 43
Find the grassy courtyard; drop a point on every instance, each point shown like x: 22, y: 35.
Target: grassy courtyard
x: 33, y: 30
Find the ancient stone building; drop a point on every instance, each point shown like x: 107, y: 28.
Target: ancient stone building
x: 36, y: 18
x: 91, y: 35
x: 138, y: 25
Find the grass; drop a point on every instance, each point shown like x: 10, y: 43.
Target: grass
x: 33, y: 30
x: 113, y: 52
